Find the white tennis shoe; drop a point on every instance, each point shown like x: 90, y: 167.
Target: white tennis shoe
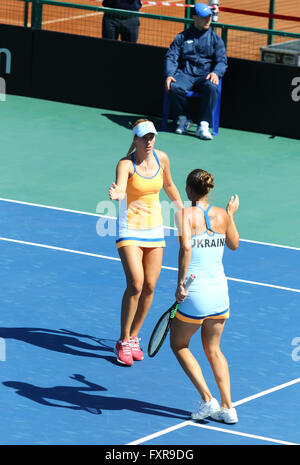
x: 206, y: 409
x: 227, y: 415
x: 203, y: 132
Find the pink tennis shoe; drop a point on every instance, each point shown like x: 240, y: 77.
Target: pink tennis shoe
x: 128, y: 351
x: 137, y: 353
x: 123, y: 352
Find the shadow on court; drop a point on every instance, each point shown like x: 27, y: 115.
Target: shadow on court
x: 63, y: 340
x: 127, y: 121
x: 80, y: 398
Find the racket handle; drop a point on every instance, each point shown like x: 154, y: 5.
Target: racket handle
x: 189, y: 281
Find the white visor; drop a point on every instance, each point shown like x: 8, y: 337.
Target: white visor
x: 143, y: 128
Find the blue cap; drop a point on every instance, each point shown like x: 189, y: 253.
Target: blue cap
x: 203, y: 10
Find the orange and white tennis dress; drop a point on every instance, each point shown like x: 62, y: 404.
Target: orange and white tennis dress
x: 140, y: 218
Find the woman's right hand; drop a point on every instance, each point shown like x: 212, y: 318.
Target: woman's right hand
x: 181, y: 293
x: 233, y: 205
x: 114, y: 192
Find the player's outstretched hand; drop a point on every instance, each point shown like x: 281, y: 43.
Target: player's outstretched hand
x: 233, y: 204
x: 114, y: 192
x: 77, y: 377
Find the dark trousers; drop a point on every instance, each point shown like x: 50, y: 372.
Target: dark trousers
x: 115, y: 26
x: 184, y: 83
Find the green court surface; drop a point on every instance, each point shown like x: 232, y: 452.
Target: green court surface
x: 65, y: 156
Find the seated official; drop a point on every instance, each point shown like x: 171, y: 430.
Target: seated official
x: 195, y: 60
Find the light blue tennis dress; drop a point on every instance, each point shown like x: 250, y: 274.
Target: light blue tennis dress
x: 208, y: 294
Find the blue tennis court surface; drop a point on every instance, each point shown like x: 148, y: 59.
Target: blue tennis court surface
x: 61, y: 290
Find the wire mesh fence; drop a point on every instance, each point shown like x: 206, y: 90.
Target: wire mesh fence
x: 159, y: 22
x: 280, y: 7
x: 13, y: 12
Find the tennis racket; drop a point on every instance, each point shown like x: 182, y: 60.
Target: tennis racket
x: 162, y: 327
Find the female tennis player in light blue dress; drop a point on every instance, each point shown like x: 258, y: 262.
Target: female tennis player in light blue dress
x: 204, y: 230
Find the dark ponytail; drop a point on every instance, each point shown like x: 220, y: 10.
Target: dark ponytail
x: 200, y: 182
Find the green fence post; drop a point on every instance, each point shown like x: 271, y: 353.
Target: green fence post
x: 187, y: 13
x: 224, y: 34
x: 36, y: 14
x: 271, y: 21
x: 26, y: 6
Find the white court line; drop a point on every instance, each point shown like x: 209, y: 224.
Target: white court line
x: 30, y: 204
x: 270, y: 244
x: 214, y: 428
x: 223, y: 430
x: 114, y: 218
x: 267, y: 391
x: 71, y: 18
x: 86, y: 15
x: 247, y: 435
x: 45, y: 246
x: 255, y: 283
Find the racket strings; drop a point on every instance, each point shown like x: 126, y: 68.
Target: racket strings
x: 159, y: 334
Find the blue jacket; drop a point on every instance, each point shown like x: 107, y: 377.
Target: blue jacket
x: 197, y: 53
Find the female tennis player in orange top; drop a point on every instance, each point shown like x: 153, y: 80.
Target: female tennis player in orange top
x: 139, y: 178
